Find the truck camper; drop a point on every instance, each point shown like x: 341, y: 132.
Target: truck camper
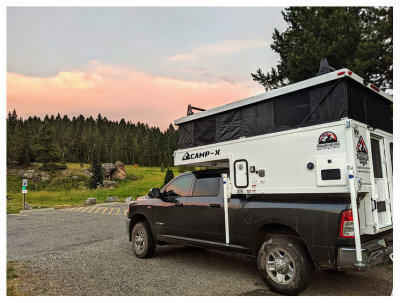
x: 300, y: 178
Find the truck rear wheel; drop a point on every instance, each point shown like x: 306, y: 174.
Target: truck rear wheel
x: 143, y: 244
x: 284, y: 265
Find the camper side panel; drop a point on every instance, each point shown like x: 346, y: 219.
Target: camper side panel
x: 307, y: 160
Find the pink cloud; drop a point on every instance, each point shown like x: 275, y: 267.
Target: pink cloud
x: 116, y: 93
x: 219, y: 48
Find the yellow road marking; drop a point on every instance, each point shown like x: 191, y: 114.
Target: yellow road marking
x: 71, y: 209
x: 97, y: 210
x: 105, y: 208
x: 78, y: 209
x: 125, y: 212
x: 117, y: 211
x: 83, y: 210
x: 91, y: 209
x: 111, y: 211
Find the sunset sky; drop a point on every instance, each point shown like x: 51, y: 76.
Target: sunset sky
x: 141, y: 64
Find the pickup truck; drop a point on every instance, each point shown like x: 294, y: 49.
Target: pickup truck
x: 290, y: 236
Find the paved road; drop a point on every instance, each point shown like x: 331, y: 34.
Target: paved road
x: 85, y: 251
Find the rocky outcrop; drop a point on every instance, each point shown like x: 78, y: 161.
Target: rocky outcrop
x: 28, y: 206
x: 27, y: 174
x: 120, y: 171
x: 108, y: 169
x: 36, y: 176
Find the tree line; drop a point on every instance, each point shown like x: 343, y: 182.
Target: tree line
x: 62, y: 139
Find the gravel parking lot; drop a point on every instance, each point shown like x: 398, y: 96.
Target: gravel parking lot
x: 85, y: 251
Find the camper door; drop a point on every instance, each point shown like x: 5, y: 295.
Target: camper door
x: 382, y: 171
x: 373, y: 162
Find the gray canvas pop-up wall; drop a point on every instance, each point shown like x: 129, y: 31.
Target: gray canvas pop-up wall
x: 327, y: 102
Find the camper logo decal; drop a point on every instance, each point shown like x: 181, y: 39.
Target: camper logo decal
x: 362, y: 151
x: 205, y: 154
x: 327, y: 140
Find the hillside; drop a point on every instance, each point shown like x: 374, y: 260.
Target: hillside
x: 68, y: 187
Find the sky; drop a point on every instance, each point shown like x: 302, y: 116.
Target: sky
x: 137, y: 63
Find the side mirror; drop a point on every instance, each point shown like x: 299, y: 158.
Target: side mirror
x: 154, y: 193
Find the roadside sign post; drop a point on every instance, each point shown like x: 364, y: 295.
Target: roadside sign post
x: 136, y: 168
x: 24, y: 191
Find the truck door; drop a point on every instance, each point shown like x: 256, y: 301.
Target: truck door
x: 382, y: 167
x: 168, y: 211
x: 204, y: 210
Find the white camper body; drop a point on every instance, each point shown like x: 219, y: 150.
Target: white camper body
x: 310, y: 160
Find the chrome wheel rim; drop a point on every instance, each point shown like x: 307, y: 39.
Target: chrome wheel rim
x: 140, y: 243
x: 280, y: 266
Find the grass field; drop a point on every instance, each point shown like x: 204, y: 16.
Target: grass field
x: 62, y: 190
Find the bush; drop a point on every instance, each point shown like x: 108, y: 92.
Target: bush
x: 169, y: 175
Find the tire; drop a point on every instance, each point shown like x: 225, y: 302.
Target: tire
x: 143, y: 244
x: 289, y: 269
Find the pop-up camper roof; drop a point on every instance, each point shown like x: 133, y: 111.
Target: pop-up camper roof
x: 325, y: 98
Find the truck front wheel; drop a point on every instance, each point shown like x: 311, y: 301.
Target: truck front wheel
x: 284, y: 265
x: 143, y: 244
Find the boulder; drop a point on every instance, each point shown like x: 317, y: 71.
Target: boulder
x: 109, y: 184
x: 88, y: 172
x: 120, y: 171
x: 28, y: 206
x: 28, y: 174
x: 90, y: 201
x: 108, y: 169
x: 41, y: 176
x: 112, y: 199
x: 75, y: 177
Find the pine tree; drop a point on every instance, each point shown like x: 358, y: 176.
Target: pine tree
x: 357, y: 38
x: 46, y: 150
x: 97, y: 171
x: 169, y: 175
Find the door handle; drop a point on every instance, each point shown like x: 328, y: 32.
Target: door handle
x: 373, y: 204
x: 178, y: 204
x: 215, y: 205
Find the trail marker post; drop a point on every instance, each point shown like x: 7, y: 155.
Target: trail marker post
x: 24, y: 191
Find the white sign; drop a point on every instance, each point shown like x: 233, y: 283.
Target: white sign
x: 24, y: 191
x: 24, y: 182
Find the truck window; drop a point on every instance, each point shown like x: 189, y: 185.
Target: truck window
x: 180, y: 186
x: 206, y: 187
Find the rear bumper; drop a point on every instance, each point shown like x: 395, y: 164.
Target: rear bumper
x: 374, y: 252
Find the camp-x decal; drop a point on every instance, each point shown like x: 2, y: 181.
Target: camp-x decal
x: 362, y: 151
x: 327, y: 140
x: 205, y: 154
